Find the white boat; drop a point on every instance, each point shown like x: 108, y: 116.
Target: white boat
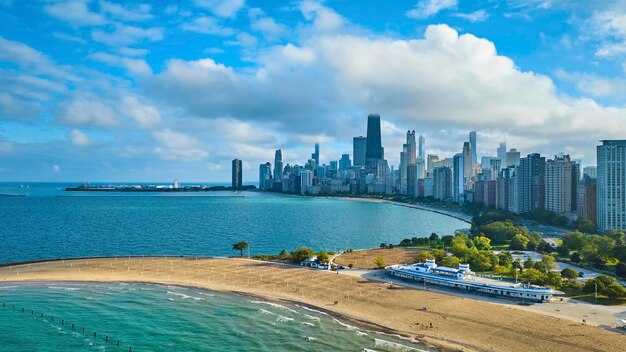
x: 462, y: 278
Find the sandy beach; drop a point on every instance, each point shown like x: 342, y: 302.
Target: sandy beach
x: 458, y: 322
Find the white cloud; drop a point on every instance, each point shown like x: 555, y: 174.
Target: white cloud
x: 324, y: 18
x: 87, y: 110
x: 476, y: 16
x: 132, y: 51
x: 207, y: 25
x: 268, y: 27
x: 75, y: 12
x: 608, y: 28
x: 15, y: 108
x: 78, y: 138
x: 140, y: 12
x: 442, y: 80
x: 147, y: 116
x: 222, y: 8
x: 5, y: 147
x: 428, y: 8
x: 56, y: 168
x: 69, y: 38
x: 127, y: 35
x: 137, y: 67
x: 178, y: 146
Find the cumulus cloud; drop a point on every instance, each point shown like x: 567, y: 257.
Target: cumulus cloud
x: 428, y: 8
x: 476, y: 16
x: 207, y: 25
x: 78, y: 138
x: 442, y: 80
x: 87, y: 111
x: 178, y: 146
x: 222, y: 8
x: 124, y: 35
x: 146, y: 115
x: 137, y: 67
x: 75, y: 12
x: 140, y: 12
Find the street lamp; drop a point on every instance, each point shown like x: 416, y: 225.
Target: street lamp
x: 596, y: 288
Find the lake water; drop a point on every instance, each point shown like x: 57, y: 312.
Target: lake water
x: 50, y: 223
x: 165, y: 318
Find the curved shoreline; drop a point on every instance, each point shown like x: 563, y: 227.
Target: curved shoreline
x: 458, y: 322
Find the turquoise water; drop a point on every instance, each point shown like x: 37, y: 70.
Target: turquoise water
x: 166, y: 318
x: 49, y: 223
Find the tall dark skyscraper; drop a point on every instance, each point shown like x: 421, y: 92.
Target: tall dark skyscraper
x: 278, y: 166
x: 374, y: 149
x: 237, y: 173
x: 359, y: 144
x: 316, y: 156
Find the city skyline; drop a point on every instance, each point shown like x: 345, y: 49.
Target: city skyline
x: 101, y: 91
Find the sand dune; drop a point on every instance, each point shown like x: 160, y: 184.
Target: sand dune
x: 457, y: 322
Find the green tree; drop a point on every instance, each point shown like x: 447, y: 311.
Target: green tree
x: 322, y: 257
x: 529, y: 263
x: 546, y: 264
x: 482, y: 261
x: 482, y: 243
x: 302, y: 253
x: 460, y: 247
x: 379, y: 262
x: 584, y: 225
x: 534, y: 276
x: 534, y: 240
x: 450, y: 261
x: 433, y: 237
x: 569, y: 273
x: 383, y: 245
x: 505, y: 258
x: 447, y: 240
x: 553, y: 279
x: 518, y: 242
x: 423, y: 255
x: 614, y: 290
x: 240, y: 246
x: 574, y: 241
x: 501, y: 231
x: 439, y: 255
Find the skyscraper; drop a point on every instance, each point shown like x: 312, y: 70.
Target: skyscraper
x: 278, y: 166
x: 531, y: 183
x: 422, y: 148
x: 344, y: 162
x: 457, y: 172
x: 374, y: 149
x: 472, y: 140
x: 502, y: 154
x: 236, y: 174
x: 442, y: 183
x: 587, y: 199
x: 411, y: 168
x: 591, y: 171
x: 374, y: 153
x: 512, y: 158
x: 562, y: 175
x: 265, y: 174
x: 316, y: 156
x: 611, y: 185
x: 467, y: 165
x: 430, y: 162
x: 359, y: 144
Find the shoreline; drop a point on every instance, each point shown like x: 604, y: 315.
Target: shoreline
x: 361, y: 302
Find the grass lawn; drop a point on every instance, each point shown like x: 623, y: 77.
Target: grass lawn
x: 603, y: 300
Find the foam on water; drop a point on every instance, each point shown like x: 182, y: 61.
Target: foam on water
x: 275, y: 305
x: 184, y: 296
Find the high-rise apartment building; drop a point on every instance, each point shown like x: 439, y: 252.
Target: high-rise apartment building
x: 265, y: 175
x: 587, y: 199
x: 236, y: 174
x: 359, y: 144
x: 611, y: 185
x: 562, y: 175
x: 531, y: 183
x: 443, y: 183
x: 430, y: 162
x: 591, y: 171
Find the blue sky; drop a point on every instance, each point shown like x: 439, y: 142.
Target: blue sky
x: 153, y: 91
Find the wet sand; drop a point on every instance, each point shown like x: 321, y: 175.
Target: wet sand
x: 458, y: 323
